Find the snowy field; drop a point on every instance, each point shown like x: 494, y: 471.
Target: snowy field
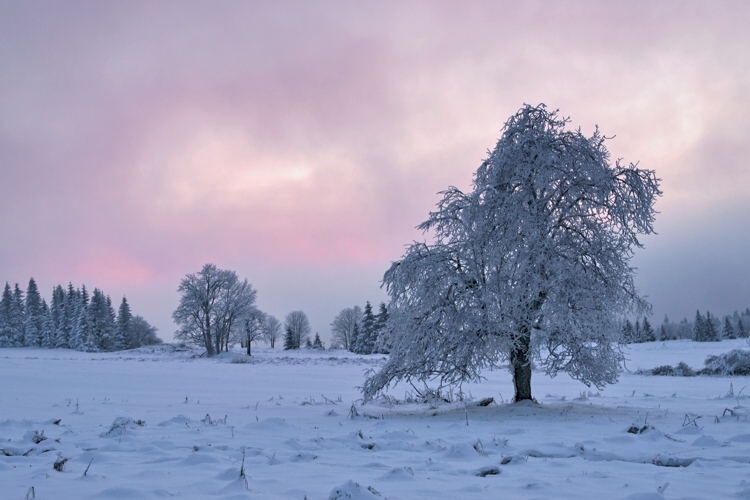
x: 158, y: 423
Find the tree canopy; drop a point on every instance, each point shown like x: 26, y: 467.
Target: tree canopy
x: 532, y: 263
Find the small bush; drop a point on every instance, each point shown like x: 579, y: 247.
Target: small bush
x: 681, y: 370
x: 734, y: 362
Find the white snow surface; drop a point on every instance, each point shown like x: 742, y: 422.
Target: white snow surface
x: 160, y: 423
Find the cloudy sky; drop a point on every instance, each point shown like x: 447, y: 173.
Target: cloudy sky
x: 300, y: 142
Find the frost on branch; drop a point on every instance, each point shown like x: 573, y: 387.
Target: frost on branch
x: 533, y: 263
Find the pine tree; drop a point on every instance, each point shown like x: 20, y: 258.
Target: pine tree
x: 728, y: 332
x: 70, y: 317
x: 57, y: 313
x: 712, y: 331
x: 700, y: 330
x: 32, y: 327
x: 637, y: 332
x: 628, y: 332
x: 6, y: 309
x: 289, y: 342
x: 354, y: 343
x: 741, y: 332
x: 648, y: 332
x: 18, y: 315
x: 383, y: 342
x: 48, y: 327
x: 123, y: 338
x: 368, y: 333
x: 317, y: 343
x: 663, y: 333
x: 101, y: 322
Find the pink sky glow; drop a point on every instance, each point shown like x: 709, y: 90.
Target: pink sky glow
x: 300, y: 142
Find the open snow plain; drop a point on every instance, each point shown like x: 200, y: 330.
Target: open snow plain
x: 158, y: 423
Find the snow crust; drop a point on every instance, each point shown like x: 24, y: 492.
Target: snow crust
x: 161, y: 422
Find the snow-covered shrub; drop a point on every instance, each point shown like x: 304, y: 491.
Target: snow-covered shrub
x: 734, y: 362
x: 681, y: 370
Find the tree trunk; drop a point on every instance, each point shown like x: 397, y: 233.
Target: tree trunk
x: 521, y: 365
x: 248, y: 346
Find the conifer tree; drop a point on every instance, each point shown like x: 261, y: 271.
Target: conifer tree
x: 317, y: 343
x: 728, y: 332
x: 628, y: 332
x: 123, y: 337
x: 32, y: 327
x: 663, y: 333
x: 383, y: 343
x: 741, y: 332
x: 700, y: 331
x: 48, y: 326
x: 648, y: 332
x: 354, y: 343
x: 289, y: 342
x: 637, y: 332
x: 96, y: 312
x: 6, y: 307
x: 57, y: 313
x: 18, y: 315
x: 368, y: 333
x: 712, y: 331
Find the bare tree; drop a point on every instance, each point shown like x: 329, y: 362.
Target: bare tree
x: 272, y: 330
x: 344, y: 326
x: 142, y: 333
x: 534, y: 262
x: 297, y: 327
x: 254, y: 329
x: 213, y: 306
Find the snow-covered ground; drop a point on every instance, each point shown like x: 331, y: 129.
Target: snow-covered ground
x: 158, y: 423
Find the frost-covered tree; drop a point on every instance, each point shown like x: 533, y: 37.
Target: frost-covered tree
x: 700, y: 329
x: 123, y: 338
x: 712, y: 328
x: 18, y: 315
x: 57, y: 312
x: 272, y: 330
x: 6, y: 309
x: 637, y: 332
x: 33, y: 316
x: 317, y: 343
x: 741, y: 331
x: 100, y: 332
x: 342, y: 328
x: 368, y: 333
x: 628, y: 332
x: 383, y: 342
x: 648, y: 334
x: 48, y: 326
x: 728, y: 332
x: 297, y: 326
x: 143, y: 333
x: 289, y: 343
x: 213, y: 306
x: 533, y: 262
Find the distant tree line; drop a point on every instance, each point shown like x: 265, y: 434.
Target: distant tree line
x: 72, y: 320
x: 217, y: 310
x: 361, y: 331
x: 704, y: 328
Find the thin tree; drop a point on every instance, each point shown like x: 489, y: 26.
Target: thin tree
x: 255, y: 325
x: 534, y: 261
x: 272, y: 330
x: 342, y: 328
